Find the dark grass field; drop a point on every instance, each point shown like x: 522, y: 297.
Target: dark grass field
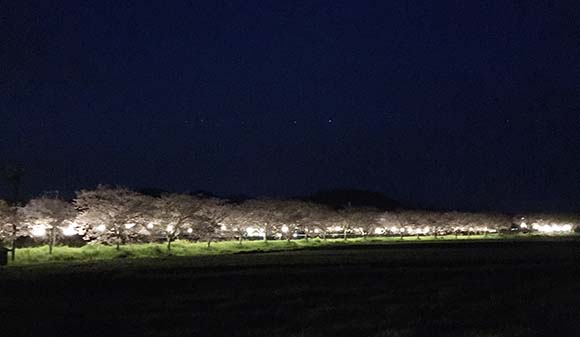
x: 464, y: 289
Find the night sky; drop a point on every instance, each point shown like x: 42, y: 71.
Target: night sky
x: 440, y: 104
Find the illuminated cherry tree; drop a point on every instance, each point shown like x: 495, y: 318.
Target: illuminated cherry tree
x: 314, y: 219
x: 11, y: 226
x: 415, y: 222
x: 393, y: 223
x: 173, y: 215
x: 210, y: 217
x: 267, y: 214
x: 6, y: 212
x: 305, y: 216
x: 493, y: 222
x: 293, y: 217
x: 112, y: 215
x: 435, y: 223
x: 236, y: 221
x: 364, y: 220
x: 50, y: 218
x: 361, y: 219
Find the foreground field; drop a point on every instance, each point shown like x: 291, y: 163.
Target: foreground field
x: 522, y: 288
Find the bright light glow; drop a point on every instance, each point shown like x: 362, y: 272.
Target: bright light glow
x: 150, y: 226
x: 316, y: 230
x: 129, y: 225
x: 38, y: 230
x: 169, y: 228
x: 69, y: 231
x: 552, y: 228
x: 254, y: 232
x: 101, y: 228
x: 335, y: 229
x: 285, y: 229
x: 394, y: 229
x: 523, y: 225
x: 189, y: 230
x: 380, y: 230
x: 224, y: 227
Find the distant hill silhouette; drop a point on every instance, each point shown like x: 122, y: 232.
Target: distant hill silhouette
x: 203, y: 194
x: 157, y: 192
x: 340, y: 198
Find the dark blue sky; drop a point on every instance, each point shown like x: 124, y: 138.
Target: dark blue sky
x: 444, y: 104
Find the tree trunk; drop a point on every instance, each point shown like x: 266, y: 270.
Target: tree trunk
x: 13, y: 250
x: 344, y: 233
x: 51, y: 240
x: 240, y: 240
x: 169, y: 244
x: 401, y: 232
x: 306, y: 235
x: 209, y: 242
x: 265, y: 233
x: 121, y: 239
x: 324, y: 235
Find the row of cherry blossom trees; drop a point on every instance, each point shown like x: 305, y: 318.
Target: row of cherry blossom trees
x: 117, y: 216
